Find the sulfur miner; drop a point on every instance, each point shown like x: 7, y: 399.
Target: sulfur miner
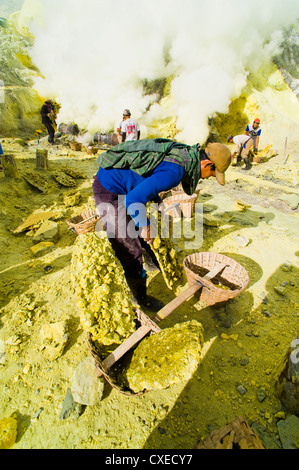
x: 132, y: 174
x: 104, y: 297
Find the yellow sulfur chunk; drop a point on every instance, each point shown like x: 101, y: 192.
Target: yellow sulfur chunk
x: 165, y: 253
x: 165, y: 358
x: 8, y: 432
x: 104, y: 297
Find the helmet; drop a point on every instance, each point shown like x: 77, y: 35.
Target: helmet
x: 257, y: 120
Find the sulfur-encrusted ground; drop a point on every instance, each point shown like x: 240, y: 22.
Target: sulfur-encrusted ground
x: 245, y: 341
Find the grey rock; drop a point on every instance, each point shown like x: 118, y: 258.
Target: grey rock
x: 241, y: 389
x: 264, y: 298
x: 266, y: 313
x: 70, y: 408
x: 48, y: 231
x: 292, y: 200
x: 280, y: 290
x: 289, y: 432
x: 242, y: 241
x: 287, y: 266
x: 86, y: 387
x: 288, y: 383
x: 244, y: 361
x: 261, y: 394
x: 37, y: 413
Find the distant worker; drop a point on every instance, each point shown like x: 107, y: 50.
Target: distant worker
x: 254, y: 131
x: 244, y: 144
x: 1, y: 153
x: 48, y: 119
x: 130, y: 129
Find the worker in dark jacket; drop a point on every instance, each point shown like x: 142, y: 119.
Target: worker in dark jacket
x: 47, y: 114
x: 135, y: 172
x: 1, y: 153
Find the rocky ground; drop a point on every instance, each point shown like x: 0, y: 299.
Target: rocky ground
x: 253, y: 219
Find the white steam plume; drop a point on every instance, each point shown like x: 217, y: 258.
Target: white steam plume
x: 95, y: 55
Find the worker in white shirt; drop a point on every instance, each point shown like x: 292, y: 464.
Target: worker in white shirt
x: 130, y: 129
x: 244, y: 143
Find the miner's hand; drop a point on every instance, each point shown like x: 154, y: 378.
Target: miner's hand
x: 145, y: 234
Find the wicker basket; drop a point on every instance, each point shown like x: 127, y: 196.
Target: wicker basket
x: 91, y: 150
x: 164, y: 194
x: 84, y: 222
x: 75, y: 146
x: 258, y: 159
x: 225, y: 286
x: 185, y: 202
x: 235, y: 435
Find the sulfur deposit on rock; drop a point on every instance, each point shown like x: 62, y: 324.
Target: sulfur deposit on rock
x: 20, y: 115
x: 166, y: 255
x: 103, y: 294
x: 54, y: 337
x: 64, y: 179
x: 36, y: 180
x: 165, y: 358
x: 72, y: 172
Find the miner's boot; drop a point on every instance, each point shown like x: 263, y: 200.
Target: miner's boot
x: 150, y: 261
x: 239, y: 159
x: 138, y: 288
x: 247, y: 164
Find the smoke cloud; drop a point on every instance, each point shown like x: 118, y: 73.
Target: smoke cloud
x: 95, y: 56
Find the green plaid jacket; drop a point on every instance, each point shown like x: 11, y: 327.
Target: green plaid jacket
x: 143, y: 156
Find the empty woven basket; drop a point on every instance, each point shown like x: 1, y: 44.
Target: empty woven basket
x: 229, y: 283
x: 186, y: 204
x: 75, y: 146
x: 84, y: 222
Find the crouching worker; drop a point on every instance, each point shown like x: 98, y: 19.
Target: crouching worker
x: 243, y: 146
x: 135, y: 172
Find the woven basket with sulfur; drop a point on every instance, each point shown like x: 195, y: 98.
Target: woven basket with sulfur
x: 103, y: 365
x: 180, y: 203
x: 83, y: 223
x: 91, y: 150
x: 235, y: 435
x: 229, y: 283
